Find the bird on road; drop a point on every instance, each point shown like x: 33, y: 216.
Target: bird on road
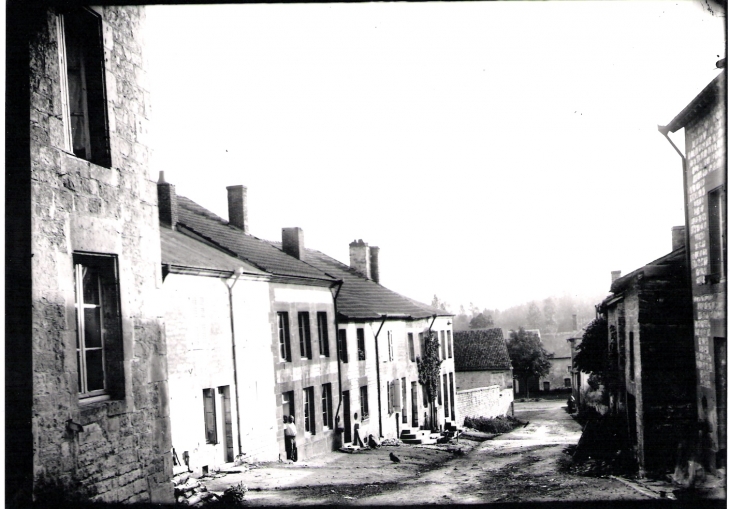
x: 394, y: 458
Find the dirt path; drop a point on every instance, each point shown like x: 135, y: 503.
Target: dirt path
x: 528, y: 464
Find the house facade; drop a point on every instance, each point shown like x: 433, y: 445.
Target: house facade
x: 704, y: 121
x: 559, y: 345
x: 485, y: 379
x: 651, y: 360
x: 86, y: 411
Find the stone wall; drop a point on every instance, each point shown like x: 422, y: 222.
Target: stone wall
x: 483, y: 402
x: 123, y: 453
x: 477, y: 379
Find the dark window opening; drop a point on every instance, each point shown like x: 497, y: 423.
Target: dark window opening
x: 342, y: 344
x: 361, y: 344
x: 305, y: 336
x: 717, y: 224
x: 324, y: 344
x: 327, y: 406
x: 211, y: 436
x: 364, y: 402
x: 284, y: 340
x: 411, y: 348
x: 309, y: 420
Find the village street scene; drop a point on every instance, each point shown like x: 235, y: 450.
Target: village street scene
x: 373, y: 253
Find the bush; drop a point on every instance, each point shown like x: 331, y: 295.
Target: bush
x: 501, y: 424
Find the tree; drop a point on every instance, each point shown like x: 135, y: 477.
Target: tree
x: 461, y: 320
x: 438, y: 303
x: 529, y: 358
x: 548, y: 312
x: 481, y: 321
x: 429, y: 371
x: 534, y: 317
x: 592, y: 352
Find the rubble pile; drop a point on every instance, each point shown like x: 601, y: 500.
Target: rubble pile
x: 392, y: 442
x: 189, y: 491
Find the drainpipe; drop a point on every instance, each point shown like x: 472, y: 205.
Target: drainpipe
x: 377, y: 372
x: 237, y: 273
x: 665, y: 132
x: 337, y: 343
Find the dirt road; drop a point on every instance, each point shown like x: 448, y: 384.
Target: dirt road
x: 526, y: 465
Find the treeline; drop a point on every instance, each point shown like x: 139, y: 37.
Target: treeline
x: 553, y: 314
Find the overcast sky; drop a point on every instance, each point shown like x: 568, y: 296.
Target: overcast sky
x: 496, y: 152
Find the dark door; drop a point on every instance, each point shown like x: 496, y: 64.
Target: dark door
x: 414, y: 405
x: 453, y: 397
x: 346, y: 412
x: 721, y: 397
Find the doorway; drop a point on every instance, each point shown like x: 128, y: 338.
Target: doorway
x: 346, y: 416
x: 414, y: 405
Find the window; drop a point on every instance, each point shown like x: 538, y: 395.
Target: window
x: 452, y: 397
x: 390, y: 398
x: 411, y: 348
x: 443, y: 344
x: 717, y: 224
x: 361, y: 344
x: 438, y: 394
x: 305, y: 337
x: 211, y: 437
x: 324, y: 342
x: 390, y: 346
x: 309, y: 421
x: 99, y: 351
x: 284, y: 342
x: 449, y: 343
x: 446, y: 395
x: 631, y: 355
x: 287, y: 403
x: 327, y: 406
x: 83, y: 100
x: 546, y: 386
x: 364, y: 402
x: 342, y: 344
x: 403, y: 399
x: 566, y: 381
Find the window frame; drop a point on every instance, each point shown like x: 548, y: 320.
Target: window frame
x: 305, y: 335
x: 404, y: 397
x: 450, y: 344
x: 360, y: 343
x: 323, y: 334
x: 89, y: 44
x: 716, y: 233
x: 446, y: 394
x: 106, y: 270
x: 390, y: 346
x: 364, y: 408
x: 310, y: 419
x: 342, y: 345
x: 209, y: 414
x: 411, y: 347
x: 327, y: 418
x: 284, y: 336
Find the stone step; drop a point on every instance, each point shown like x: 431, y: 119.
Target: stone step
x: 411, y: 441
x: 408, y: 436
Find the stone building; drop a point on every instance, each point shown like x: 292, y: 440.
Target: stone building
x: 558, y: 344
x: 485, y: 384
x: 279, y: 318
x: 86, y: 377
x: 704, y: 165
x: 651, y: 359
x: 380, y: 334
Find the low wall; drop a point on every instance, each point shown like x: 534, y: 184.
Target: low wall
x: 483, y: 402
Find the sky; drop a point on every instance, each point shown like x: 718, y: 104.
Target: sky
x: 496, y: 152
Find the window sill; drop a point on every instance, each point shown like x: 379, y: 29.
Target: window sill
x: 92, y: 411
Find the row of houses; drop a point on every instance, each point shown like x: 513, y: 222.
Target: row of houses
x: 667, y: 339
x: 143, y: 330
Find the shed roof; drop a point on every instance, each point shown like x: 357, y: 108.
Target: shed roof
x: 259, y: 253
x: 480, y: 350
x: 708, y: 96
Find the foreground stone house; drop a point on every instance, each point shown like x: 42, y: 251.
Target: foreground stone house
x: 704, y: 165
x: 651, y: 354
x: 86, y: 378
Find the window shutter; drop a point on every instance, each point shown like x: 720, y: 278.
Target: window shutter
x: 396, y: 395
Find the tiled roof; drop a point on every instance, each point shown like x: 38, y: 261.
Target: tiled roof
x: 179, y: 250
x: 482, y: 349
x: 258, y: 252
x: 363, y: 298
x: 714, y: 90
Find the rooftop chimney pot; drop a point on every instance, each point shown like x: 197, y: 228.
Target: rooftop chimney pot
x: 360, y: 257
x: 292, y: 241
x: 166, y: 202
x: 237, y: 207
x: 615, y: 274
x: 677, y: 237
x: 374, y: 267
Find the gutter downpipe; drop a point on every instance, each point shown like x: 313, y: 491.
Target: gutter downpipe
x: 237, y: 274
x: 377, y: 372
x: 665, y: 132
x: 339, y: 357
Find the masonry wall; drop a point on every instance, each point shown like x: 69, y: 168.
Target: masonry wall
x: 706, y: 152
x: 301, y: 372
x: 123, y: 454
x: 477, y: 379
x: 560, y: 369
x: 483, y: 402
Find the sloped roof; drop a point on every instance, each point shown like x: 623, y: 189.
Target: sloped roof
x: 714, y: 90
x: 674, y: 261
x: 260, y: 253
x: 180, y: 250
x: 479, y: 350
x: 363, y: 298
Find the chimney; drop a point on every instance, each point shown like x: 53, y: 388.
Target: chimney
x: 360, y: 257
x: 677, y: 237
x: 374, y: 270
x: 615, y: 274
x: 237, y: 208
x: 292, y: 241
x: 166, y: 202
x: 575, y: 322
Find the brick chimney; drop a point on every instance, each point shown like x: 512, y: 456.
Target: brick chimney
x: 292, y: 241
x: 677, y: 237
x: 575, y: 322
x: 166, y: 202
x: 237, y: 207
x: 374, y: 269
x: 615, y: 274
x: 360, y: 257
